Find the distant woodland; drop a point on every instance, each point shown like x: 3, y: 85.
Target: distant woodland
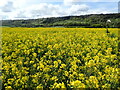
x: 85, y: 21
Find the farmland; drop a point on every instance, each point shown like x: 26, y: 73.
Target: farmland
x: 59, y: 58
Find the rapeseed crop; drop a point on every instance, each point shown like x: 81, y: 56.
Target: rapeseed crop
x: 59, y: 58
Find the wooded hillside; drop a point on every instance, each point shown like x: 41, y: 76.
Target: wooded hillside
x: 93, y: 20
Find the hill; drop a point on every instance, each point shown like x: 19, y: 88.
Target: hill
x: 92, y: 20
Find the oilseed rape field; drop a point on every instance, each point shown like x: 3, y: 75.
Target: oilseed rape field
x: 59, y: 58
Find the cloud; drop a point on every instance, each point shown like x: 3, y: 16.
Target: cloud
x: 2, y: 2
x: 77, y: 9
x: 51, y: 10
x: 41, y: 9
x: 99, y: 11
x: 8, y: 7
x: 38, y: 11
x: 73, y: 2
x: 69, y: 2
x: 21, y: 15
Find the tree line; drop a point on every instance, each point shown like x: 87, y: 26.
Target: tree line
x: 90, y: 21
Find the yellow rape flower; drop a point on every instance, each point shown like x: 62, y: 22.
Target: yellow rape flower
x: 8, y: 87
x: 34, y: 54
x: 77, y: 84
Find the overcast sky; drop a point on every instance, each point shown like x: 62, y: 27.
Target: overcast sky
x: 31, y: 9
